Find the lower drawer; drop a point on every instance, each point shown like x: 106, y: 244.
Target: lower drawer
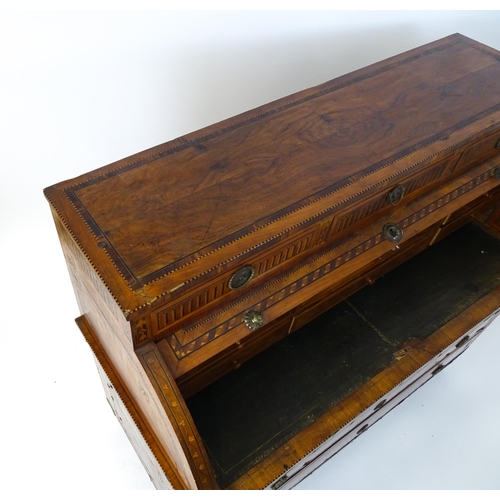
x: 377, y: 410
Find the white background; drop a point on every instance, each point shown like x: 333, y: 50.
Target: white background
x: 82, y: 89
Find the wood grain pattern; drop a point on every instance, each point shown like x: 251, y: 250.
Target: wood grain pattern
x: 298, y: 189
x: 246, y: 187
x: 188, y: 341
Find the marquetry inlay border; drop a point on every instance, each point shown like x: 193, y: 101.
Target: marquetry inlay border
x: 179, y: 416
x: 136, y: 282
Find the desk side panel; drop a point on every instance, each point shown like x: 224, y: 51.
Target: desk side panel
x: 112, y: 332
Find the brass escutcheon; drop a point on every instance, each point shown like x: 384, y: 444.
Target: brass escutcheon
x: 396, y: 195
x: 393, y: 232
x: 241, y: 277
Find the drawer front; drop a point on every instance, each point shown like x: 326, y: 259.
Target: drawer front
x: 320, y: 282
x: 309, y: 310
x: 480, y: 151
x: 231, y: 358
x: 382, y: 401
x: 398, y: 192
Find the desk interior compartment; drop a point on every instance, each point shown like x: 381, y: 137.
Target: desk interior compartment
x: 256, y: 409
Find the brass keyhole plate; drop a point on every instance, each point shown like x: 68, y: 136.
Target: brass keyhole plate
x: 396, y: 195
x: 241, y: 277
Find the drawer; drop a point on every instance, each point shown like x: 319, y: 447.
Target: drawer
x: 410, y: 187
x: 347, y: 266
x: 399, y: 191
x: 306, y: 312
x: 230, y: 359
x: 233, y: 284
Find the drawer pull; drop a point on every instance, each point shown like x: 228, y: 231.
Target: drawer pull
x: 254, y: 320
x: 496, y: 173
x: 241, y: 277
x: 393, y: 232
x: 396, y: 195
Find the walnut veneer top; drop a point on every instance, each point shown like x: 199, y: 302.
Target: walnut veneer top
x: 162, y: 217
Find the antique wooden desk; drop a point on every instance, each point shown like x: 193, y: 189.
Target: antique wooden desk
x: 260, y: 292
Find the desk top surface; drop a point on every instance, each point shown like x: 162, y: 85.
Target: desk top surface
x: 161, y: 217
